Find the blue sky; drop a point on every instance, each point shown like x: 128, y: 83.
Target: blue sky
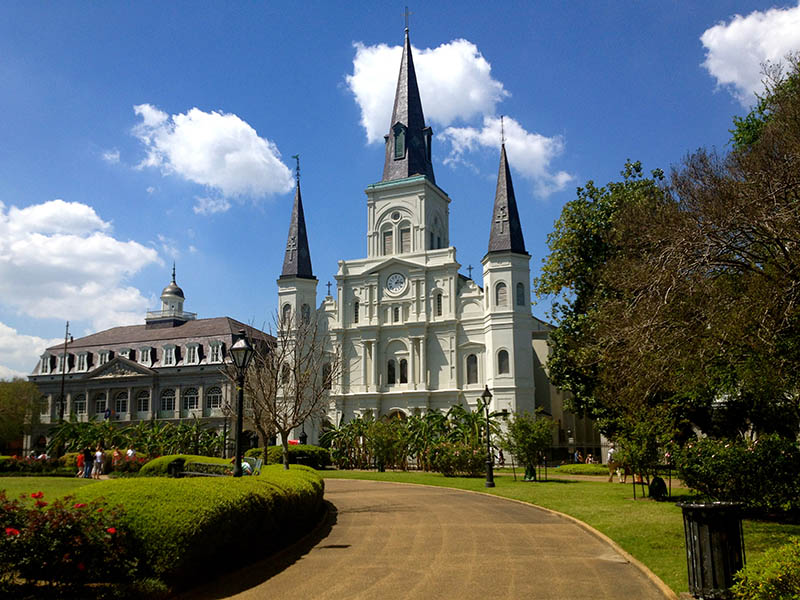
x: 135, y: 134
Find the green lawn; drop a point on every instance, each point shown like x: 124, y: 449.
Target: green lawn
x: 52, y: 487
x: 650, y: 531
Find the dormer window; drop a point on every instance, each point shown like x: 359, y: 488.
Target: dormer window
x: 125, y: 353
x: 145, y: 355
x: 45, y: 368
x: 105, y: 356
x: 216, y: 352
x: 168, y: 358
x: 83, y: 363
x: 192, y: 355
x: 61, y: 368
x: 399, y: 132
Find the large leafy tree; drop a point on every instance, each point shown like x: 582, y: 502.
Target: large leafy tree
x: 18, y: 406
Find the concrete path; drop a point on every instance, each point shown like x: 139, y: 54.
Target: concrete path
x: 391, y: 541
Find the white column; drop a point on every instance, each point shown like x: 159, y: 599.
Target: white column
x: 412, y: 342
x: 178, y: 400
x: 364, y: 382
x: 423, y: 365
x: 375, y: 365
x: 131, y: 411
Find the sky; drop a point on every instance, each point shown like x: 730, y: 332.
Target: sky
x: 137, y: 134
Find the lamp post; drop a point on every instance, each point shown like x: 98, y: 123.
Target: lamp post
x: 487, y: 398
x: 241, y: 352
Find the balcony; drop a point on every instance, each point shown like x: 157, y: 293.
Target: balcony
x: 154, y: 315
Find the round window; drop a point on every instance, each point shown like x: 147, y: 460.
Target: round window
x: 395, y: 216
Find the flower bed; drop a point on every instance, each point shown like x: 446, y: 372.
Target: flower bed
x: 311, y: 456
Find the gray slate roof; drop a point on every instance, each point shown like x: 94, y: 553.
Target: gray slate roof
x: 506, y: 231
x: 408, y: 112
x: 297, y: 260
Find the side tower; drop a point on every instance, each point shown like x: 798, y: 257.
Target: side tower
x: 507, y: 321
x: 297, y: 286
x: 407, y: 212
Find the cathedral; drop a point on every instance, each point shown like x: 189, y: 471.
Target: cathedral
x: 412, y: 333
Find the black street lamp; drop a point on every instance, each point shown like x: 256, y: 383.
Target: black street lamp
x: 241, y: 353
x: 486, y: 396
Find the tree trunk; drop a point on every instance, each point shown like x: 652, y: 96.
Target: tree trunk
x: 285, y: 444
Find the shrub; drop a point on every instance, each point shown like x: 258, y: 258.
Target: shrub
x: 579, y: 469
x: 14, y: 465
x: 773, y: 576
x: 158, y: 466
x: 64, y: 542
x: 311, y: 456
x: 199, y: 526
x: 458, y: 458
x: 762, y: 474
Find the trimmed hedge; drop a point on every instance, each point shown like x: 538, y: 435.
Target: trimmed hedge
x: 311, y: 456
x: 158, y: 466
x: 580, y: 469
x: 196, y: 527
x: 773, y: 576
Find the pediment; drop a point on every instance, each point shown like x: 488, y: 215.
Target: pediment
x: 394, y: 262
x: 120, y: 367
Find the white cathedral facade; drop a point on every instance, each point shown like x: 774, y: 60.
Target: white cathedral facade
x: 412, y: 333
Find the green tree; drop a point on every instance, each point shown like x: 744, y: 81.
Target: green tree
x: 19, y: 409
x: 527, y: 438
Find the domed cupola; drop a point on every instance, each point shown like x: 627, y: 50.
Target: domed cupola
x: 171, y: 313
x: 172, y: 297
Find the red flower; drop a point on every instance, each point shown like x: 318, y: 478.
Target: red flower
x: 81, y: 567
x: 99, y: 510
x: 80, y: 505
x: 37, y: 495
x: 41, y: 503
x: 112, y: 530
x: 12, y: 531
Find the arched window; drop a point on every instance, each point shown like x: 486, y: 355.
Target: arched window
x: 388, y: 242
x: 355, y: 311
x: 99, y: 404
x: 214, y: 398
x: 403, y: 370
x: 190, y: 399
x: 168, y: 400
x: 143, y: 401
x: 286, y: 314
x: 390, y: 373
x: 472, y: 369
x: 121, y: 402
x: 502, y: 362
x: 500, y: 294
x: 439, y: 304
x: 405, y: 240
x: 520, y: 294
x: 305, y: 313
x: 79, y: 404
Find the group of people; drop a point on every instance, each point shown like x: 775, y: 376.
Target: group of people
x: 90, y: 464
x: 578, y: 458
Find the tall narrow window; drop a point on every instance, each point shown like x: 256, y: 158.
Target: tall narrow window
x: 430, y: 245
x: 501, y: 294
x: 355, y: 311
x: 79, y: 404
x: 168, y: 357
x: 388, y: 242
x: 439, y: 304
x: 143, y: 401
x: 168, y: 400
x: 191, y: 354
x: 399, y: 141
x: 403, y: 370
x: 396, y: 314
x: 520, y: 294
x: 305, y: 312
x: 502, y: 362
x: 190, y: 399
x: 121, y: 403
x: 390, y: 373
x: 214, y: 398
x: 472, y: 369
x: 45, y: 368
x: 438, y: 242
x: 216, y: 352
x: 286, y: 315
x: 327, y: 376
x: 99, y: 404
x: 82, y: 361
x: 405, y: 240
x: 285, y: 375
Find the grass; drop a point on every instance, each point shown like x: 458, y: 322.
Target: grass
x: 53, y: 487
x: 650, y: 531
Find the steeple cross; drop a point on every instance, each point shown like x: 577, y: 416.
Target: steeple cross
x: 407, y: 14
x: 297, y: 170
x: 291, y: 246
x: 469, y: 270
x: 329, y: 288
x: 501, y: 219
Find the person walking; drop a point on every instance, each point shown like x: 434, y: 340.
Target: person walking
x: 88, y: 460
x: 79, y: 462
x: 97, y: 469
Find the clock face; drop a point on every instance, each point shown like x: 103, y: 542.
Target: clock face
x: 395, y: 283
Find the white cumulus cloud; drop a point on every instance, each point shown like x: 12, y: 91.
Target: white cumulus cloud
x: 209, y: 206
x: 455, y: 82
x: 736, y: 50
x: 529, y: 154
x: 111, y: 156
x: 59, y: 260
x: 20, y: 351
x: 215, y: 149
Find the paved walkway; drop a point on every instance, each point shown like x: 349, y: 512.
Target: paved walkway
x: 392, y: 541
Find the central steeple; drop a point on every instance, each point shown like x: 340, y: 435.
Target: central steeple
x: 408, y: 143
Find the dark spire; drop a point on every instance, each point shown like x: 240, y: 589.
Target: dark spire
x: 506, y: 232
x: 408, y: 144
x: 297, y: 261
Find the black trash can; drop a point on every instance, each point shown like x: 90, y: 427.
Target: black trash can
x: 714, y: 547
x: 175, y: 467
